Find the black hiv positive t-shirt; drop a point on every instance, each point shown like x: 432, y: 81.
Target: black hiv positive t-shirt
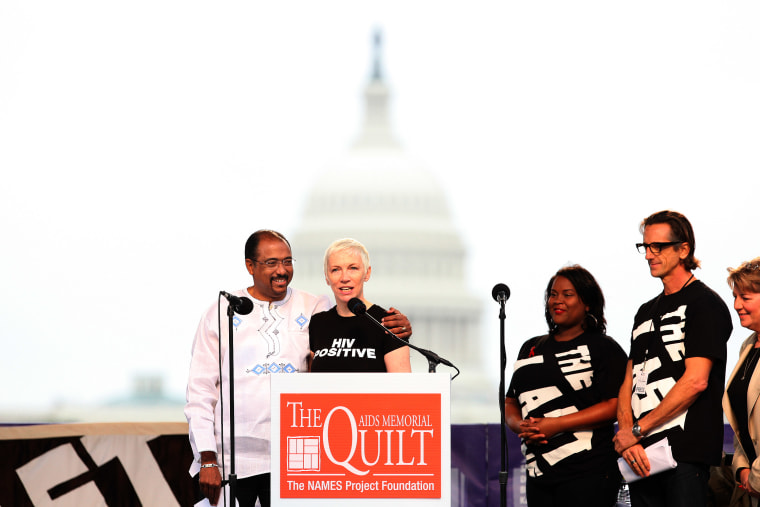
x: 349, y: 344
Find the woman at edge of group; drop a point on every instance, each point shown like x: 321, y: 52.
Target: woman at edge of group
x: 743, y: 386
x: 562, y: 398
x: 347, y: 269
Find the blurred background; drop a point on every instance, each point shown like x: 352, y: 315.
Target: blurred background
x: 466, y: 144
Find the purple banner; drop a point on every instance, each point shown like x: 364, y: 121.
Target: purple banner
x: 126, y: 469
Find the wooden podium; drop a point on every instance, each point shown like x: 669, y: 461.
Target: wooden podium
x: 381, y: 438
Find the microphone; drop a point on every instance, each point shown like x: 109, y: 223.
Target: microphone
x: 357, y: 307
x: 500, y: 292
x: 241, y: 306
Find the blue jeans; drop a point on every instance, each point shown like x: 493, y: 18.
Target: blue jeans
x: 683, y: 486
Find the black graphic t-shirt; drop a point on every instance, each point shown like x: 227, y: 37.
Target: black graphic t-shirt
x: 693, y: 322
x: 349, y: 344
x: 552, y: 379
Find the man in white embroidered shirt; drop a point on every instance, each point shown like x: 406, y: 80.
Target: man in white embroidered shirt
x: 271, y: 339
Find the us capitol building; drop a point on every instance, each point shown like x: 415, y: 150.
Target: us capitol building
x: 380, y: 196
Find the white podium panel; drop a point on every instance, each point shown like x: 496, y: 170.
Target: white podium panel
x: 384, y: 438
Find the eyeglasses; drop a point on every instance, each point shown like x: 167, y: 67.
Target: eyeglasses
x: 656, y: 247
x: 273, y: 263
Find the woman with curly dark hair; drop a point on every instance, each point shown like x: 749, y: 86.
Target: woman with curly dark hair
x: 562, y: 398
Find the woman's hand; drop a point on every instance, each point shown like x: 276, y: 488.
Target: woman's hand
x: 530, y: 430
x: 744, y: 483
x: 531, y: 433
x: 546, y: 426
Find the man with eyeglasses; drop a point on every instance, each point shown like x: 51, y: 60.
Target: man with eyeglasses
x: 271, y: 339
x: 675, y: 374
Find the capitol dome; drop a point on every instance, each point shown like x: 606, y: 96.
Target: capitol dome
x: 379, y: 195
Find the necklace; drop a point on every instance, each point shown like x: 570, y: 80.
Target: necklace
x: 750, y: 360
x: 682, y: 287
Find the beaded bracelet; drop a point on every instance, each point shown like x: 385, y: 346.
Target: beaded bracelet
x: 210, y: 465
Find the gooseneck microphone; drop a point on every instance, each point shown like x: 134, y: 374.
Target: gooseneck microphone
x: 500, y: 292
x: 241, y: 306
x: 357, y: 307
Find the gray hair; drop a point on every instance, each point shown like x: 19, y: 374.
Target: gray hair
x: 350, y: 245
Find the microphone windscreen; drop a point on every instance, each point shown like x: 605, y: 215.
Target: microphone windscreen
x: 356, y: 306
x: 500, y: 289
x: 244, y: 307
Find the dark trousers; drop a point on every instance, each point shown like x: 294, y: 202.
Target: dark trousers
x: 683, y: 486
x: 248, y: 490
x: 594, y: 489
x: 251, y: 488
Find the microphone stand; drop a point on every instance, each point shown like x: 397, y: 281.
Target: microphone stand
x: 232, y: 477
x: 241, y: 306
x: 433, y: 359
x: 504, y: 473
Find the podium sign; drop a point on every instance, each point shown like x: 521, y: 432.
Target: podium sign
x: 383, y: 438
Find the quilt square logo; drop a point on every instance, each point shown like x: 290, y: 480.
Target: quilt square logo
x: 303, y: 454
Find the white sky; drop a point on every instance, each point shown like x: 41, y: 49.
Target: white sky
x: 141, y: 142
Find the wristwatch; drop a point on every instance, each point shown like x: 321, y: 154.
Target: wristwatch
x: 636, y: 430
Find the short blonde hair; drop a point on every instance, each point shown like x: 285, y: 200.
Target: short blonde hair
x: 746, y: 277
x: 347, y: 244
